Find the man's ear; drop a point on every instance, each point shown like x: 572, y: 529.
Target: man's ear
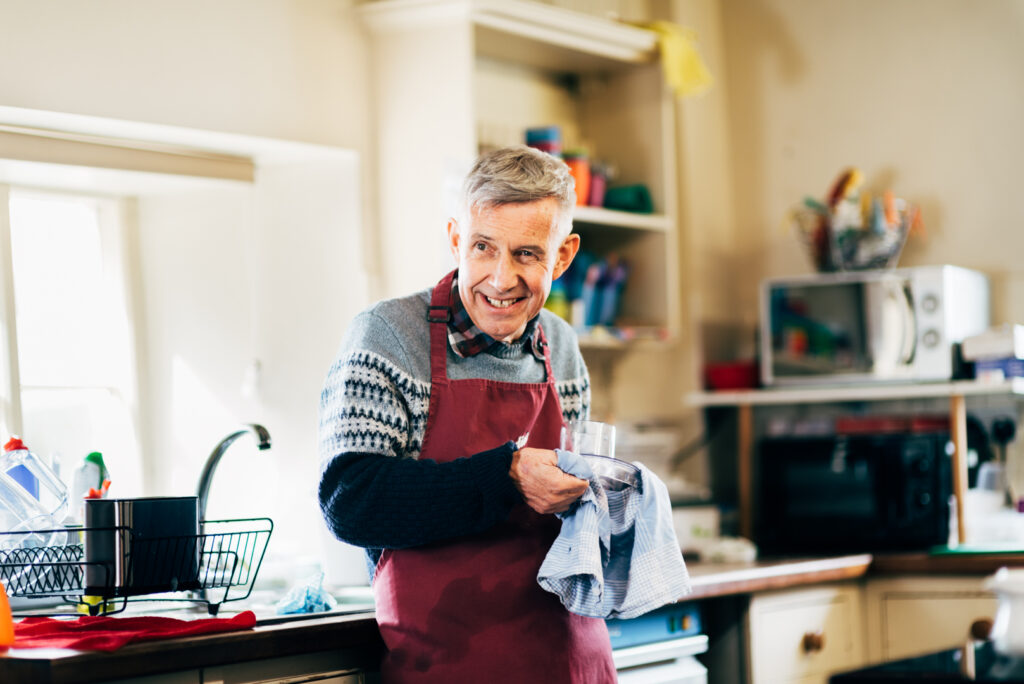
x: 453, y: 238
x: 566, y: 253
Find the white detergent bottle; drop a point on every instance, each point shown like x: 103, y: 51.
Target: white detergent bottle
x: 91, y: 474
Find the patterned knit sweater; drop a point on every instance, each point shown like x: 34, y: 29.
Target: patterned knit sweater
x: 374, y: 490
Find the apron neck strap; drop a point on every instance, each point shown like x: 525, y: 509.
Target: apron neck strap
x: 439, y: 314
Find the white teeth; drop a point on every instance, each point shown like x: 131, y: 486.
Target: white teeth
x: 501, y: 303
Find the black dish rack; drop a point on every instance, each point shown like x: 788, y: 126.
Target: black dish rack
x: 216, y: 566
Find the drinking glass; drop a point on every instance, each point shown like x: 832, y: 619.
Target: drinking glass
x: 589, y: 437
x: 595, y: 442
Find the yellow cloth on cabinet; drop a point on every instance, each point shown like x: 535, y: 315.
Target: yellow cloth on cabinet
x: 684, y: 69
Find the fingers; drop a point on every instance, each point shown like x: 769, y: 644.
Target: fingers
x: 545, y: 488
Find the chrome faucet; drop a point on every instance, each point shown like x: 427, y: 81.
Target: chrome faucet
x: 206, y: 478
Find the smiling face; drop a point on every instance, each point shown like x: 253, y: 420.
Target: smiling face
x: 508, y: 255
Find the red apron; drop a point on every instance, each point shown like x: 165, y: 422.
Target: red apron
x: 470, y: 609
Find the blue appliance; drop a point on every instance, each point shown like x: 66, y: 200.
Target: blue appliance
x: 660, y: 647
x: 669, y: 622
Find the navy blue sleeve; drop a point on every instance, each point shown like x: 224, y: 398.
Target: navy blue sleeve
x: 377, y: 501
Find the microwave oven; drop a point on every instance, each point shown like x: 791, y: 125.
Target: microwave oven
x: 853, y: 493
x: 893, y: 325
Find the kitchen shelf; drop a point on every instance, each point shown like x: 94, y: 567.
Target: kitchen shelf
x: 833, y: 394
x: 631, y: 337
x: 956, y: 392
x: 540, y: 36
x: 622, y: 219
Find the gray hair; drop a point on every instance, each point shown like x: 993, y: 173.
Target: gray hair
x: 519, y: 174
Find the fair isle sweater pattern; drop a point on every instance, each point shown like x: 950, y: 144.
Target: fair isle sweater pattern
x: 380, y: 409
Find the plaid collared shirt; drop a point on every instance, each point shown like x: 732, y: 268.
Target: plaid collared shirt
x: 468, y: 340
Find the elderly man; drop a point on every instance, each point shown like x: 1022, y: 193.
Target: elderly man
x: 437, y: 424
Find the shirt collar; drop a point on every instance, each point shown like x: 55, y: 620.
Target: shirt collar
x: 467, y: 340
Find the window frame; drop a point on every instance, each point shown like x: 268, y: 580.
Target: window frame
x: 117, y: 218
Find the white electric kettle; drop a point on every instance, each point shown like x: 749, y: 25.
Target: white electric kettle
x: 1008, y: 629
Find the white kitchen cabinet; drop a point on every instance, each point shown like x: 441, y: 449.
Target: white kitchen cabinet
x: 804, y: 635
x: 454, y: 77
x: 909, y: 616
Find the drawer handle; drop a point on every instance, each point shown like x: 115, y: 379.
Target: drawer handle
x: 813, y: 641
x: 981, y: 628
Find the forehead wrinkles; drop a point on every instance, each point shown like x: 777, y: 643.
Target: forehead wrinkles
x: 525, y: 223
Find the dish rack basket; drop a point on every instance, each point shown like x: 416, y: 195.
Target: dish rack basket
x: 215, y: 566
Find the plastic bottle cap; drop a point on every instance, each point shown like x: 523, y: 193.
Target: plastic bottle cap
x: 97, y: 458
x: 14, y: 444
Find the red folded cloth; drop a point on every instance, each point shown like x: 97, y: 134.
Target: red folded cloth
x: 102, y: 633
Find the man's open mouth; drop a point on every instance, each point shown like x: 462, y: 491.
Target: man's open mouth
x: 502, y: 303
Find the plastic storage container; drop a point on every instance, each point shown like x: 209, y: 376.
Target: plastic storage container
x: 579, y: 167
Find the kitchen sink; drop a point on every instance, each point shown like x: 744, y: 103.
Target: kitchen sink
x: 350, y: 600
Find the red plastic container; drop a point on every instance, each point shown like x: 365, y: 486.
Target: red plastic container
x: 732, y: 375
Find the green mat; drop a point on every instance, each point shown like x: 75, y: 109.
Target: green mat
x: 977, y: 549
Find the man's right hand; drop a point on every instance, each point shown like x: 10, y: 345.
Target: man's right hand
x: 545, y: 488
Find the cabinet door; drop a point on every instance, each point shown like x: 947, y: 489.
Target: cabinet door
x: 186, y: 677
x: 804, y: 635
x: 909, y: 616
x: 337, y: 667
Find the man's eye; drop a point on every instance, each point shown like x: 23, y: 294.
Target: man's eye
x: 481, y: 246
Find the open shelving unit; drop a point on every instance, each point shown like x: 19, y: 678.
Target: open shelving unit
x: 456, y: 77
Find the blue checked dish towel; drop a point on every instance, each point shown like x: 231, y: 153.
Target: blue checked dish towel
x: 617, y: 555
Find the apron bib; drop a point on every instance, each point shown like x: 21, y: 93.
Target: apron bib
x: 470, y: 609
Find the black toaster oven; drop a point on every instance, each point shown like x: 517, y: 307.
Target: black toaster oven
x: 853, y: 493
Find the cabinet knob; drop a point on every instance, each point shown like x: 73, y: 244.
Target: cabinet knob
x: 981, y: 628
x: 813, y: 641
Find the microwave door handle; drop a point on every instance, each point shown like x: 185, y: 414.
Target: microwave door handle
x: 909, y: 346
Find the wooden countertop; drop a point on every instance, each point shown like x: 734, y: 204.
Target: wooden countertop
x: 952, y: 563
x: 720, y: 579
x: 358, y: 632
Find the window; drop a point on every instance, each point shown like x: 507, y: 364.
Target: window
x: 68, y: 321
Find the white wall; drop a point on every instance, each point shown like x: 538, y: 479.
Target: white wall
x: 292, y: 69
x: 268, y: 274
x: 925, y: 97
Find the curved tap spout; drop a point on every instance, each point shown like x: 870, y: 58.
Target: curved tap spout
x: 206, y: 477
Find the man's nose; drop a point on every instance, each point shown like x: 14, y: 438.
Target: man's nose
x: 505, y: 274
